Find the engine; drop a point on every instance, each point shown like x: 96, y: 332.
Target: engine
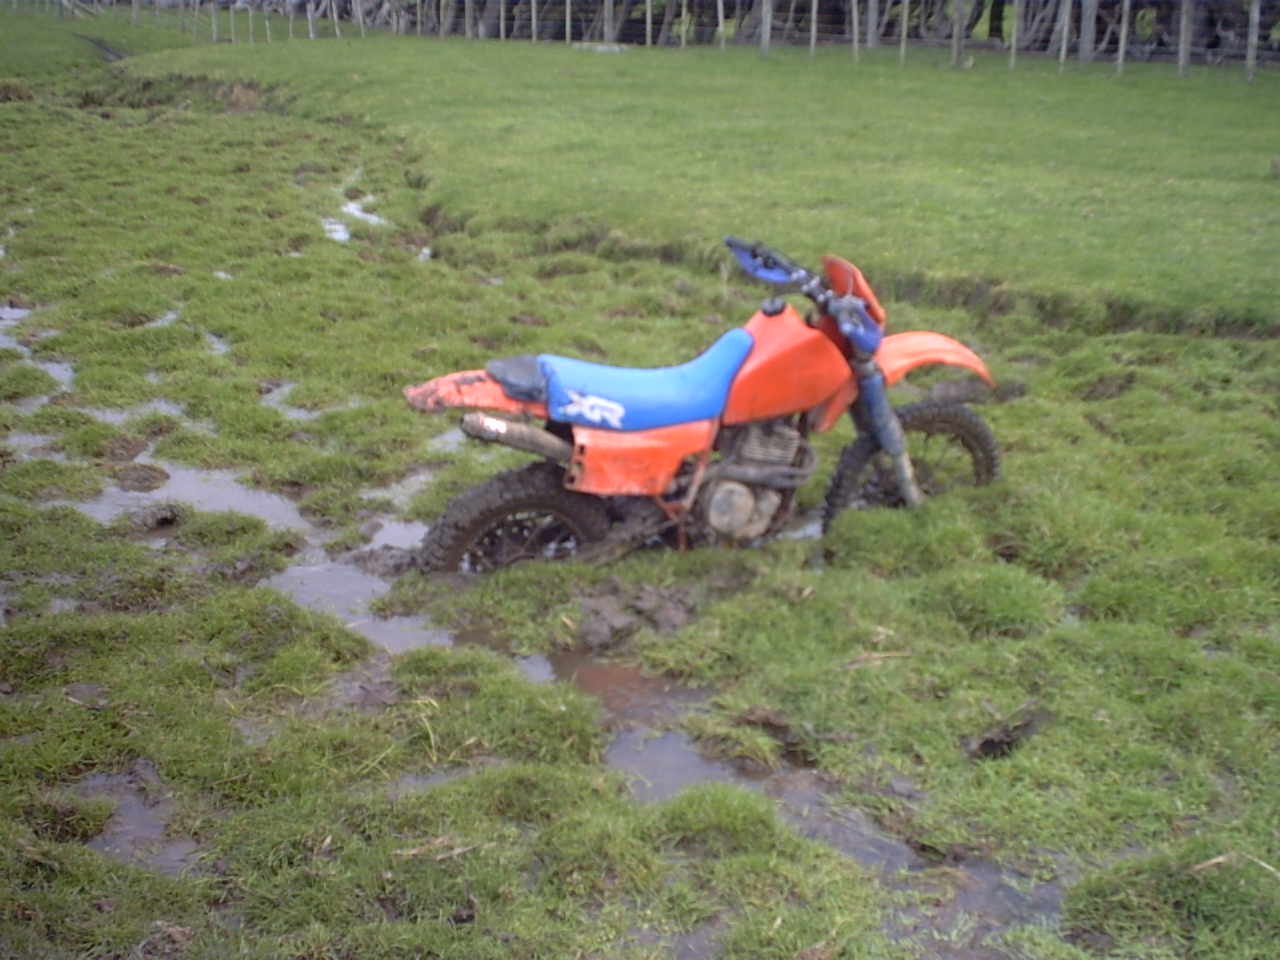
x: 754, y: 477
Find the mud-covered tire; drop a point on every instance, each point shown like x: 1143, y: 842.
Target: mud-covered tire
x: 950, y: 446
x: 519, y: 515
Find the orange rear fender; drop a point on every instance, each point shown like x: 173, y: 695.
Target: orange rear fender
x: 473, y: 389
x: 900, y: 353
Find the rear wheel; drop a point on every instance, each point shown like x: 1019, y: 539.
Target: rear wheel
x: 950, y: 447
x: 519, y: 515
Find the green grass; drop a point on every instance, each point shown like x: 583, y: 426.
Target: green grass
x: 1143, y: 198
x: 1120, y: 584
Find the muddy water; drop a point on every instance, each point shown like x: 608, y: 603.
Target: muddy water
x: 138, y: 831
x: 969, y: 903
x: 210, y: 490
x: 343, y: 590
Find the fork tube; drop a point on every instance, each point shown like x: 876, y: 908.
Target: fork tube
x: 886, y: 427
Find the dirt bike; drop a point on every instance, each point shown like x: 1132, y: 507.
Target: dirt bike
x: 712, y: 450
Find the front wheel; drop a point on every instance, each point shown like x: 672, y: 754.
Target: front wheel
x: 950, y: 446
x: 519, y: 515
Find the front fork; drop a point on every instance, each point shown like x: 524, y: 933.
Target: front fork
x: 873, y: 413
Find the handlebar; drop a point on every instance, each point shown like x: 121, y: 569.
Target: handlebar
x: 848, y: 312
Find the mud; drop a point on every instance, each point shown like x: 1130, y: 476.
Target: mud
x: 962, y: 905
x: 138, y: 831
x: 615, y: 611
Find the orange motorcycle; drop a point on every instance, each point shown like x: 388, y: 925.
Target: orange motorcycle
x: 712, y: 450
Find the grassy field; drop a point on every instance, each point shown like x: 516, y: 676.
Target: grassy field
x: 1109, y: 612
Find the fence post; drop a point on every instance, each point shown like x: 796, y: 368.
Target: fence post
x: 1124, y: 35
x: 1184, y: 38
x: 1019, y: 9
x: 766, y: 25
x: 1251, y: 51
x: 1065, y: 24
x: 959, y: 16
x: 853, y: 29
x: 902, y: 40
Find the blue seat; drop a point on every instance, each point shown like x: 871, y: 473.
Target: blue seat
x: 625, y: 398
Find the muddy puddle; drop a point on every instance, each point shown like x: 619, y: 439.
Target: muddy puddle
x: 965, y: 905
x: 275, y: 394
x: 342, y: 589
x: 160, y: 481
x: 138, y: 830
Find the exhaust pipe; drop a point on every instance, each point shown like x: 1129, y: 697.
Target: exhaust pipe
x: 521, y: 436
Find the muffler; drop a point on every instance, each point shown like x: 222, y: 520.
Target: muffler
x: 521, y: 436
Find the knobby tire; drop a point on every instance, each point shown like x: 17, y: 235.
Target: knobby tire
x: 482, y: 528
x: 859, y: 478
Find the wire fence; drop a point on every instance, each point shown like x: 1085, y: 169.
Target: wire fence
x: 1188, y: 31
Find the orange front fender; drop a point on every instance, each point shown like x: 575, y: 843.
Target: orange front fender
x: 900, y: 353
x: 473, y: 389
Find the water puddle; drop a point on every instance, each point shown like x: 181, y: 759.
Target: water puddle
x: 165, y: 320
x: 216, y: 344
x: 402, y: 492
x: 275, y: 394
x: 355, y: 208
x: 34, y: 446
x: 117, y: 417
x: 450, y: 441
x: 210, y: 490
x: 964, y: 904
x: 399, y: 534
x: 137, y: 832
x: 343, y: 590
x: 336, y: 230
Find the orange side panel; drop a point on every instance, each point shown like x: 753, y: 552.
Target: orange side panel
x: 844, y: 279
x: 900, y: 353
x: 792, y: 367
x: 835, y: 408
x: 634, y: 462
x: 468, y: 388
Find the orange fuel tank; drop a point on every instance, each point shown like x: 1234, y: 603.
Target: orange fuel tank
x: 792, y: 367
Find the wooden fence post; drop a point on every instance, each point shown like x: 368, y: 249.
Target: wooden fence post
x: 1251, y: 51
x: 1019, y: 9
x: 1125, y: 10
x: 902, y: 39
x: 1184, y: 38
x: 1065, y: 24
x: 854, y: 28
